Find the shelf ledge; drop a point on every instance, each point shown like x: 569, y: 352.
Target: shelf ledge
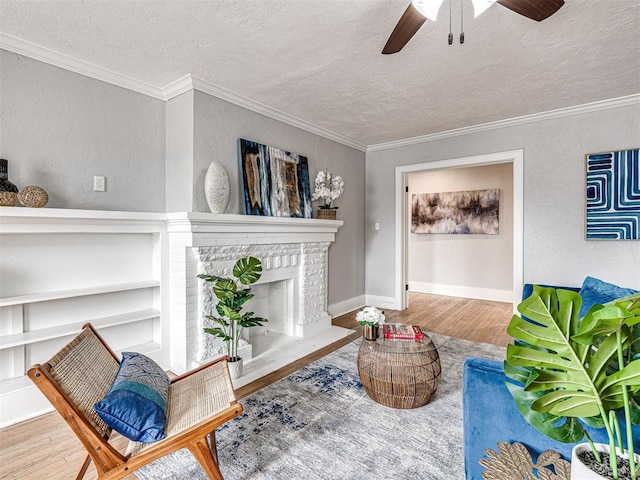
x: 26, y: 338
x: 78, y: 292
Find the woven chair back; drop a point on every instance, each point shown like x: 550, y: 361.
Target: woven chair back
x: 84, y: 371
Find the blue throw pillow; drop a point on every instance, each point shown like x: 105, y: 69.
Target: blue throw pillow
x: 136, y: 404
x: 596, y: 291
x: 527, y: 289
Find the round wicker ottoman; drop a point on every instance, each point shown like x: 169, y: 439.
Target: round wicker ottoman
x: 399, y: 373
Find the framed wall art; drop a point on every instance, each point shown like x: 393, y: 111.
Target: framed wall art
x: 613, y: 195
x: 467, y: 212
x: 274, y: 182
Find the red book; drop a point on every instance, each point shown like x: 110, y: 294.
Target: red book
x: 407, y: 332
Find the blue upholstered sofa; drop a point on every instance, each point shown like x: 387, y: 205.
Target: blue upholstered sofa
x: 490, y: 414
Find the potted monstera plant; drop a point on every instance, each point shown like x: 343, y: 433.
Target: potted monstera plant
x: 230, y: 321
x: 579, y: 371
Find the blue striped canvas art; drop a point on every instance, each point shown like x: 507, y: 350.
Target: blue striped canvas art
x: 613, y: 195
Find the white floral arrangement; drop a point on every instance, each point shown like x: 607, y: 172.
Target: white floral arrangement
x: 370, y: 316
x: 328, y: 187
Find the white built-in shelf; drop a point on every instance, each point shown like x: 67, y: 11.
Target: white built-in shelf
x: 26, y: 338
x: 23, y: 381
x: 18, y: 220
x: 119, y: 297
x: 78, y: 292
x: 17, y: 383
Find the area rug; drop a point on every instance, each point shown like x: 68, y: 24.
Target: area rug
x: 319, y: 423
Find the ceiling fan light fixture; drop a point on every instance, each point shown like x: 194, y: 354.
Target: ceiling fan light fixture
x: 428, y: 8
x: 479, y: 6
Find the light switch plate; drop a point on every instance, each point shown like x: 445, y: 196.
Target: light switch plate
x: 99, y: 184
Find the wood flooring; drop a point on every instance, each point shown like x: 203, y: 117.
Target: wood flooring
x: 46, y: 448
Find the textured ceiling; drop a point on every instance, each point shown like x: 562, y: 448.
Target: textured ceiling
x: 320, y: 61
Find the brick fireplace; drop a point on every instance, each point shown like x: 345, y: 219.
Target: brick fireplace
x: 292, y: 292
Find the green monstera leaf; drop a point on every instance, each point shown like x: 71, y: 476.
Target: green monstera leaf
x: 248, y: 320
x: 569, y: 377
x: 566, y: 430
x: 247, y: 270
x: 218, y: 332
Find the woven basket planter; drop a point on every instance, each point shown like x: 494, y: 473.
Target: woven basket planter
x: 327, y: 213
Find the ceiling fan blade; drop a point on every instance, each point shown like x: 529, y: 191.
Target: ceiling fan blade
x: 536, y: 10
x: 407, y: 26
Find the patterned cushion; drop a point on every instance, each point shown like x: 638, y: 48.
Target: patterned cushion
x: 136, y: 404
x: 597, y: 291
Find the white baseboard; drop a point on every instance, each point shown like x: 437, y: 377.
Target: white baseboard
x: 381, y: 302
x: 460, y: 291
x: 346, y: 306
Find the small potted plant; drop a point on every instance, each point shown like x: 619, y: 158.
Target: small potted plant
x: 231, y: 295
x: 329, y: 188
x: 370, y: 318
x: 573, y: 371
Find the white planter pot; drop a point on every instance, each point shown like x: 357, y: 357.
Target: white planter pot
x: 235, y: 369
x: 579, y: 471
x: 216, y: 188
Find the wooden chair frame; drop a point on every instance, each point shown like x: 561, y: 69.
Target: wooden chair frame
x: 109, y: 462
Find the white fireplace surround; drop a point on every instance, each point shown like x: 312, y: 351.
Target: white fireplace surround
x: 295, y: 250
x: 303, y: 264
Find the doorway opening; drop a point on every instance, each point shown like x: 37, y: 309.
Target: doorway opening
x: 515, y: 157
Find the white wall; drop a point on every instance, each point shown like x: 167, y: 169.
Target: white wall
x: 555, y: 250
x: 58, y: 129
x: 454, y: 264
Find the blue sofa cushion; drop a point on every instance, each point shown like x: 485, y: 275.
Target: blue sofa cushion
x: 597, y: 291
x: 136, y: 404
x: 527, y: 289
x: 490, y: 415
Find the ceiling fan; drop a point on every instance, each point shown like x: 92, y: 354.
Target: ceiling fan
x: 419, y: 11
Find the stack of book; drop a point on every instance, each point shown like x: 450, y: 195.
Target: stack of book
x: 402, y: 332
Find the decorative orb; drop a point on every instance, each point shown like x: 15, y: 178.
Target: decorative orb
x: 8, y: 199
x: 32, y: 196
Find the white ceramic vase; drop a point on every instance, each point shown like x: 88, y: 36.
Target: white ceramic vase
x: 216, y: 188
x: 235, y: 369
x: 579, y: 471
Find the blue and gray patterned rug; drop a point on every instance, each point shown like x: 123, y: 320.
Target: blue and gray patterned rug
x: 318, y: 423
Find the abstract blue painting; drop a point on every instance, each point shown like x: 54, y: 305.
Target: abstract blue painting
x: 274, y: 182
x: 613, y: 195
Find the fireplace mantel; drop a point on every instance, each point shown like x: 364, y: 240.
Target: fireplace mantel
x: 196, y: 222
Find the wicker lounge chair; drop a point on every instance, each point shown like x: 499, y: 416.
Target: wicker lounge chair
x: 82, y: 373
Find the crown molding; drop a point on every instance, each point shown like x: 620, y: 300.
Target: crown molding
x: 183, y: 84
x: 189, y: 82
x: 177, y: 87
x: 46, y: 55
x: 511, y: 122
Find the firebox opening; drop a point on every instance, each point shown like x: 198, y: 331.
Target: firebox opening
x: 273, y: 301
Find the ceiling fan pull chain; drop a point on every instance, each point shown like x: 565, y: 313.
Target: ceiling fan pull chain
x: 450, y: 32
x: 461, y: 21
